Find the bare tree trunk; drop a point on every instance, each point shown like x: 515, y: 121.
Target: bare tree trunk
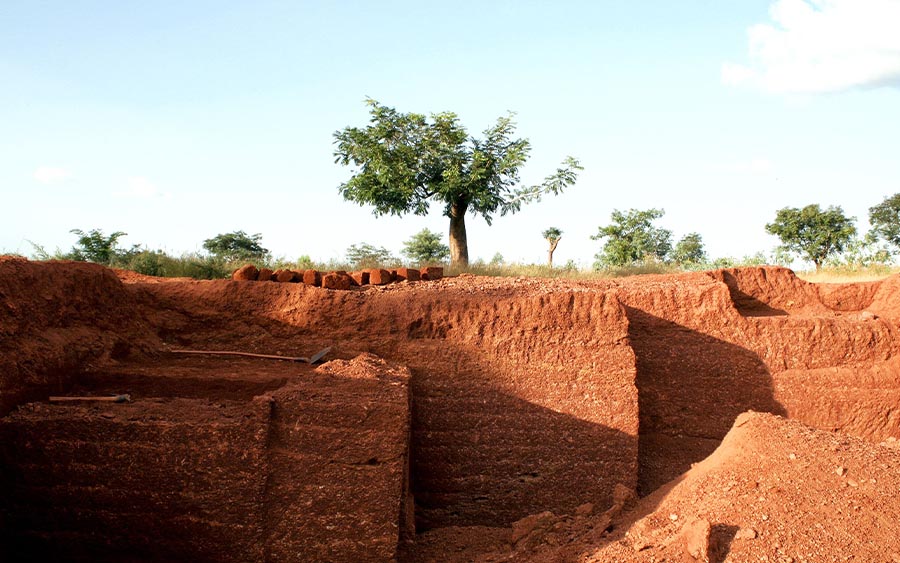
x: 553, y: 244
x: 459, y: 246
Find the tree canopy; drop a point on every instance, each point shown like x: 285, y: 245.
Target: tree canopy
x: 365, y: 255
x: 632, y: 237
x: 237, y: 245
x: 885, y: 219
x: 812, y: 233
x: 94, y: 246
x: 404, y: 162
x: 425, y: 247
x: 689, y: 250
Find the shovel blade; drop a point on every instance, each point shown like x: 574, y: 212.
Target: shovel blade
x: 319, y: 355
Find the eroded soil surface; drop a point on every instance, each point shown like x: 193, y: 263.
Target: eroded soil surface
x: 464, y: 419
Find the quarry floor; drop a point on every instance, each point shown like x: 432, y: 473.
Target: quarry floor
x: 469, y: 419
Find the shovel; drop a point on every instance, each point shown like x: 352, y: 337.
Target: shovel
x: 311, y: 360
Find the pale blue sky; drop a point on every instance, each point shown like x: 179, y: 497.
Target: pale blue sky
x: 176, y: 121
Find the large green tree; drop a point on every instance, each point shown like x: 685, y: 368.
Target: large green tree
x: 425, y: 247
x: 813, y: 233
x: 632, y: 237
x: 689, y: 250
x: 404, y: 161
x: 365, y: 255
x: 94, y: 246
x: 237, y: 245
x: 885, y: 219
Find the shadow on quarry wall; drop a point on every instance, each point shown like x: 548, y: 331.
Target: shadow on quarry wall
x: 746, y: 304
x: 691, y: 387
x: 483, y: 457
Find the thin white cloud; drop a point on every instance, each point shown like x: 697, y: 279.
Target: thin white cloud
x: 139, y: 187
x: 815, y: 46
x: 51, y: 174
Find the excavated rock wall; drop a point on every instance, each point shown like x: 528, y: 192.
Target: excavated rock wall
x: 138, y: 482
x: 757, y: 339
x: 520, y: 402
x: 316, y: 470
x: 527, y: 395
x: 338, y: 465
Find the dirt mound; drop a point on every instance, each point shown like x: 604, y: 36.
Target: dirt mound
x: 775, y: 490
x: 56, y: 318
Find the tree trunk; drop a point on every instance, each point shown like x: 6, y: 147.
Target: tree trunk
x: 459, y: 246
x: 550, y: 252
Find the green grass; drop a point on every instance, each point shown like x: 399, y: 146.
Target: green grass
x: 202, y: 266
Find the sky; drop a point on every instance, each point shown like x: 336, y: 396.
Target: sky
x: 178, y: 121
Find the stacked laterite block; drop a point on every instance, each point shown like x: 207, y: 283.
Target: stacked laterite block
x: 408, y: 274
x: 339, y: 280
x: 379, y: 277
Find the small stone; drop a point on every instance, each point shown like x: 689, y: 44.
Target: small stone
x: 745, y: 534
x: 841, y: 470
x: 764, y: 517
x: 585, y: 509
x: 673, y: 517
x: 852, y: 483
x: 623, y: 495
x: 695, y: 535
x: 641, y: 543
x: 525, y: 527
x: 793, y: 456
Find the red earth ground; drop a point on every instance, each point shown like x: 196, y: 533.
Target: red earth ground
x: 465, y: 419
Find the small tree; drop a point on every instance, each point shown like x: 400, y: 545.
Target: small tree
x: 235, y: 246
x: 689, y: 250
x: 404, y: 162
x: 364, y: 255
x: 812, y: 233
x: 632, y: 237
x: 93, y: 246
x: 425, y: 247
x: 552, y: 236
x: 885, y: 220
